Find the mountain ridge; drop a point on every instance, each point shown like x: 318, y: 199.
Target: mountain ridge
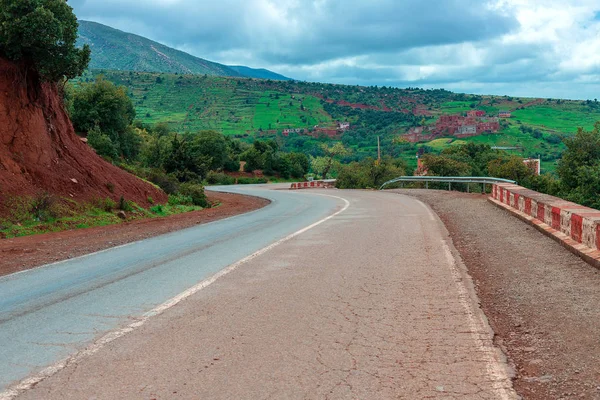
x: 114, y: 49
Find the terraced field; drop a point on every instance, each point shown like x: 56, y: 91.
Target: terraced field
x: 251, y: 107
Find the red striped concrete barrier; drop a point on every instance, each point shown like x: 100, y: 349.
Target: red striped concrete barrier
x: 311, y: 185
x: 575, y: 226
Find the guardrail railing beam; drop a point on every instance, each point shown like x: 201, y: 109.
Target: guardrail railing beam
x: 485, y: 180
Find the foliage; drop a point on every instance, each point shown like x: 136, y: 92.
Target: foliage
x: 331, y: 153
x: 186, y: 161
x: 107, y: 107
x: 514, y: 169
x: 368, y: 173
x: 579, y: 168
x: 219, y: 178
x: 41, y: 34
x: 444, y: 165
x: 125, y: 205
x: 212, y: 144
x: 196, y: 193
x: 168, y: 183
x: 102, y: 144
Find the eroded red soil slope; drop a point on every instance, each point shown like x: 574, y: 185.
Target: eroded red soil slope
x: 39, y: 150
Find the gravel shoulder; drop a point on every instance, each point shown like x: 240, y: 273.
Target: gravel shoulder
x: 24, y: 253
x: 541, y: 300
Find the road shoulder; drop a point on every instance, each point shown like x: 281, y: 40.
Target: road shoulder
x: 540, y: 299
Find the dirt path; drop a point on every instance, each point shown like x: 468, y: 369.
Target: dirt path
x: 542, y: 301
x: 28, y: 252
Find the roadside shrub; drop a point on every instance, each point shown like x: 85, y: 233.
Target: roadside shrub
x: 251, y: 181
x: 43, y: 207
x: 196, y: 193
x: 106, y: 205
x: 219, y: 178
x: 158, y: 209
x: 168, y: 183
x: 180, y: 200
x: 232, y: 165
x: 125, y: 205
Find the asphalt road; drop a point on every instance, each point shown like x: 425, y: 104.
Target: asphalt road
x: 49, y: 313
x: 373, y: 303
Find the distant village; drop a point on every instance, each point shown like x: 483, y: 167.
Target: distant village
x: 316, y: 131
x: 475, y: 123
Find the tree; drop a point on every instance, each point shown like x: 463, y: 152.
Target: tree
x: 102, y: 144
x: 331, y: 153
x: 185, y: 161
x: 107, y: 106
x: 41, y: 34
x: 211, y: 144
x: 369, y: 174
x: 445, y: 166
x: 514, y: 169
x: 579, y: 168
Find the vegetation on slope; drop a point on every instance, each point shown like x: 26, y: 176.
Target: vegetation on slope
x: 117, y: 50
x: 248, y: 108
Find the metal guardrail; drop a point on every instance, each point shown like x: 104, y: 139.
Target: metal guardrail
x: 448, y: 179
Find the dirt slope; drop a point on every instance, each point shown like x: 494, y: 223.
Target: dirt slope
x: 39, y: 150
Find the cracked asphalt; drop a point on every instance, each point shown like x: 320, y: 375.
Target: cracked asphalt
x: 372, y: 304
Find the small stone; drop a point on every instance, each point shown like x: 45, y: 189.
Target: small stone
x: 74, y: 180
x: 121, y: 214
x: 439, y: 388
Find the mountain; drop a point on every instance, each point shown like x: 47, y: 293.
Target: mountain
x: 258, y: 73
x: 113, y: 49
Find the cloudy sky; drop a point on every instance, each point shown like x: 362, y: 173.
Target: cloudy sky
x: 536, y: 48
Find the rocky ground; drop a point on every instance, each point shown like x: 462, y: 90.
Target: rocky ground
x: 27, y: 252
x: 542, y: 301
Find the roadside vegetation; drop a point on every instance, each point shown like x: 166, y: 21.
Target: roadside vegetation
x: 44, y: 213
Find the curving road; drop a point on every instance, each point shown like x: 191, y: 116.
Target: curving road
x: 362, y: 296
x: 48, y: 313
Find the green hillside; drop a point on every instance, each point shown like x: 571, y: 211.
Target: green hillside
x: 251, y: 107
x: 259, y: 73
x: 117, y: 50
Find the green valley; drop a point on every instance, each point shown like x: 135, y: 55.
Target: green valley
x: 247, y: 108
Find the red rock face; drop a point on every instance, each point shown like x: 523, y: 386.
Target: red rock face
x: 39, y: 150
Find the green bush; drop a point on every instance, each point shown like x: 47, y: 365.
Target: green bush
x: 251, y: 181
x: 219, y: 178
x: 125, y: 205
x: 168, y: 183
x: 196, y: 193
x: 157, y: 209
x: 180, y: 200
x: 106, y: 205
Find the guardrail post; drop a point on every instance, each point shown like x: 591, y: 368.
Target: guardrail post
x: 426, y: 185
x: 450, y: 186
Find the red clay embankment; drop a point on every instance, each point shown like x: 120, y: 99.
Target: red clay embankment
x: 40, y: 152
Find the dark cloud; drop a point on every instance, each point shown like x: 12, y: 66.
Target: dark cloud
x: 444, y: 43
x: 303, y: 32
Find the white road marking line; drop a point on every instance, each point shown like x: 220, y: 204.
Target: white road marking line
x: 429, y: 212
x: 30, y: 382
x: 497, y: 373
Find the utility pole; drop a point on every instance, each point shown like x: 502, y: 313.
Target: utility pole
x: 378, y: 151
